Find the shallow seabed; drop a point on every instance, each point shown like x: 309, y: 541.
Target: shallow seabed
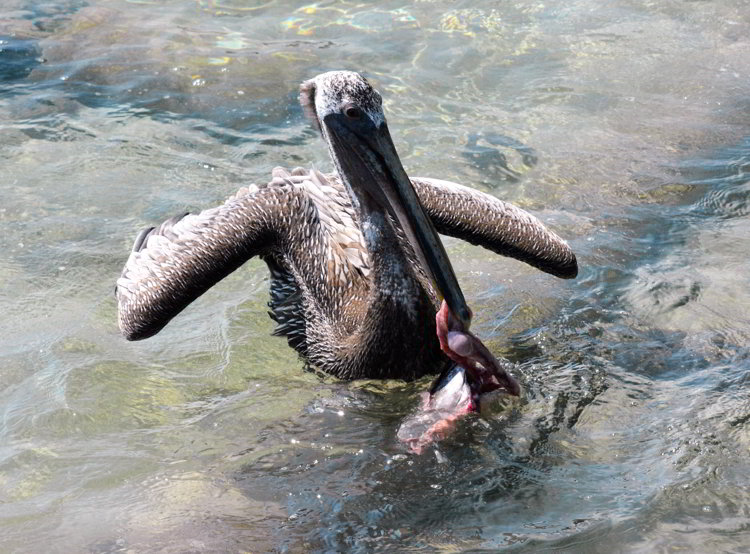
x: 624, y: 125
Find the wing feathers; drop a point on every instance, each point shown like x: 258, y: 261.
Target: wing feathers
x: 484, y: 220
x: 171, y: 265
x: 174, y: 263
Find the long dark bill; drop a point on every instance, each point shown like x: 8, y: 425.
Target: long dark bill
x: 367, y: 158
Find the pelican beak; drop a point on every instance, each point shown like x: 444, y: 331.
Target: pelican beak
x: 368, y: 162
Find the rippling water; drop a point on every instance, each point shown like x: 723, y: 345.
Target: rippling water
x: 624, y: 125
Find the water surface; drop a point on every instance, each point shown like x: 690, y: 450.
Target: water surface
x: 623, y: 125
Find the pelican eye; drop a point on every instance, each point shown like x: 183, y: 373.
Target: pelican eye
x: 352, y: 112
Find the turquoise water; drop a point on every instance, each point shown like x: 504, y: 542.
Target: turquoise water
x: 623, y: 125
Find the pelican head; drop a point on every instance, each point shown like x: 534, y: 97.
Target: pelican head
x: 349, y: 114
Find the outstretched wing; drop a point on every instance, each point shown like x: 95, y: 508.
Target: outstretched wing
x: 173, y: 264
x: 481, y: 219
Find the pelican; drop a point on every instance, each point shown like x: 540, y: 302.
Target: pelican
x: 358, y: 272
